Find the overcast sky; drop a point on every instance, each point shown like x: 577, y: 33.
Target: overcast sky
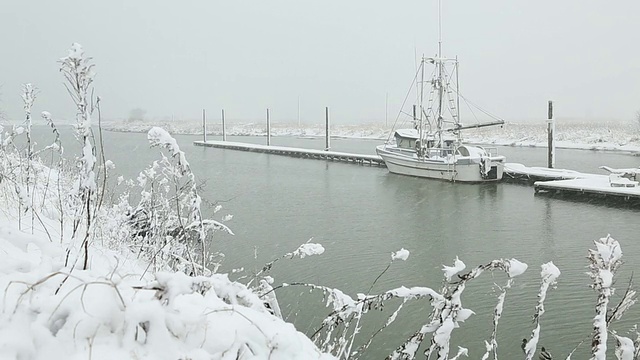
x: 173, y: 58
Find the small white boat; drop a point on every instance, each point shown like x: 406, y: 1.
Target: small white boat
x: 432, y: 147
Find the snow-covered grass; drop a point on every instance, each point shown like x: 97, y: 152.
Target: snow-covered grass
x: 134, y: 275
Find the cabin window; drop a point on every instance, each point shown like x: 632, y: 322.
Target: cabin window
x: 463, y: 151
x: 405, y: 143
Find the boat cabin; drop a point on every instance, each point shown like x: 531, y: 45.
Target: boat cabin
x: 409, y: 139
x: 406, y: 138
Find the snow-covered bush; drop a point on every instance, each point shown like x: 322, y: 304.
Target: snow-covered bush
x: 166, y: 226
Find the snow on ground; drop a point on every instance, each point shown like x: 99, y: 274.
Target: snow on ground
x: 111, y: 311
x: 611, y: 135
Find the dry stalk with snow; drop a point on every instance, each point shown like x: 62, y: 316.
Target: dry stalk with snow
x: 549, y: 275
x: 78, y: 72
x: 604, y: 261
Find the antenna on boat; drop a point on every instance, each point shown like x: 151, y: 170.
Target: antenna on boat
x: 440, y: 28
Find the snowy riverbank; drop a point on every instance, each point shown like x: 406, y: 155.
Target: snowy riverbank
x: 608, y: 136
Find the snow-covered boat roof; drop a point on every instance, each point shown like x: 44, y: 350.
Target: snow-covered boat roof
x: 408, y: 133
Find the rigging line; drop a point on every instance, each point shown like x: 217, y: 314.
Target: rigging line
x: 481, y: 109
x: 404, y: 102
x: 470, y: 109
x: 415, y: 63
x: 471, y: 103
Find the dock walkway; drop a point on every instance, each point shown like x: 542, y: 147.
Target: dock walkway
x: 561, y: 182
x: 595, y: 186
x: 361, y: 159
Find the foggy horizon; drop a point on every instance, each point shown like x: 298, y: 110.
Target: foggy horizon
x: 172, y: 60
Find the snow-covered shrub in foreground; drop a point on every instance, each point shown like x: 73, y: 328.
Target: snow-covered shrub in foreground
x: 51, y: 311
x: 165, y: 226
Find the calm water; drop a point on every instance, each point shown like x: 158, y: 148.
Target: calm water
x: 361, y: 214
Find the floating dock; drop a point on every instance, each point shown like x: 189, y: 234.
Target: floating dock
x: 573, y: 184
x: 360, y: 159
x: 595, y: 186
x: 520, y: 172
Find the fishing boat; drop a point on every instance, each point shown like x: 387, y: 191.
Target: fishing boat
x: 432, y: 146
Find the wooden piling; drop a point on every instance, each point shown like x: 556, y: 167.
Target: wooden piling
x: 268, y: 129
x: 551, y: 146
x: 224, y: 131
x: 328, y: 136
x: 299, y: 125
x: 204, y: 125
x: 386, y: 109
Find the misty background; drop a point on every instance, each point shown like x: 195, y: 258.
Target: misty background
x: 172, y: 59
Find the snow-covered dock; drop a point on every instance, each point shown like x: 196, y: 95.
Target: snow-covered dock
x: 601, y: 186
x: 563, y: 182
x: 361, y: 159
x: 520, y: 172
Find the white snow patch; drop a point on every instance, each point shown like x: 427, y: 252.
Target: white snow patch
x: 516, y: 267
x: 450, y: 271
x: 401, y: 254
x: 308, y: 249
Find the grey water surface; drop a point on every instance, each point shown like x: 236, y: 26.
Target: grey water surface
x: 362, y: 214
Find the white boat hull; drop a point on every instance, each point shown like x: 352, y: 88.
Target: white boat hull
x: 454, y: 168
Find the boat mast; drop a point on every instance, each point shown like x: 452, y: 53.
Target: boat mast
x: 457, y: 120
x: 421, y: 105
x: 439, y: 82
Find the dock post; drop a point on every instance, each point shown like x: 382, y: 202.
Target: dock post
x: 551, y: 146
x: 204, y: 125
x: 224, y: 131
x: 268, y: 129
x: 299, y: 125
x: 386, y: 109
x: 328, y: 142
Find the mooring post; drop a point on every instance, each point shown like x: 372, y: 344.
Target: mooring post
x: 268, y: 129
x: 224, y: 131
x: 299, y: 126
x: 326, y: 115
x: 386, y: 109
x: 551, y: 127
x: 204, y: 125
